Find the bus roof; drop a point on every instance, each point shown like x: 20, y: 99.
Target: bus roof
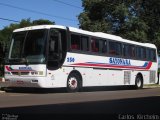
x: 111, y: 37
x: 39, y: 27
x: 95, y: 34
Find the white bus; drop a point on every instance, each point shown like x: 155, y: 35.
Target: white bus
x: 54, y: 56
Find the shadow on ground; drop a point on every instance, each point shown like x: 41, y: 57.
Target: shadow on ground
x: 108, y: 109
x: 63, y: 90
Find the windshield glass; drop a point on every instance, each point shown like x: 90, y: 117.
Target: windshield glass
x: 29, y: 46
x: 17, y: 43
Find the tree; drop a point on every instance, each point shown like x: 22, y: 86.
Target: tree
x: 151, y: 16
x: 138, y: 20
x: 42, y: 22
x: 94, y: 17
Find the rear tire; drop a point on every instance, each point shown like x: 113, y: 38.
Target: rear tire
x: 138, y: 82
x: 74, y: 83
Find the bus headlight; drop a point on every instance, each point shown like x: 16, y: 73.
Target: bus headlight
x: 37, y: 73
x: 40, y: 72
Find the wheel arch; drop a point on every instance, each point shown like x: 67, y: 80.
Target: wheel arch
x: 76, y: 72
x: 79, y: 81
x: 140, y: 74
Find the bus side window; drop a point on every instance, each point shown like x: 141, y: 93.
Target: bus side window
x: 84, y: 43
x: 138, y: 53
x: 94, y: 45
x: 55, y: 50
x: 153, y: 54
x: 53, y: 44
x: 131, y: 51
x: 125, y: 50
x: 143, y: 53
x: 103, y: 46
x: 111, y: 48
x: 148, y: 54
x: 75, y: 42
x: 115, y: 48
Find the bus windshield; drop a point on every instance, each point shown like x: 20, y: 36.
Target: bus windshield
x: 28, y: 46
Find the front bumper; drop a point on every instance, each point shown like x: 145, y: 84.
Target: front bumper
x: 34, y: 82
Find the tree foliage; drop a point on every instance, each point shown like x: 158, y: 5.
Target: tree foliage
x: 138, y: 20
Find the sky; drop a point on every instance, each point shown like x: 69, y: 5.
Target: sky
x: 62, y: 12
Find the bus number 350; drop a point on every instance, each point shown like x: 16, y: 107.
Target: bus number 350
x: 70, y: 59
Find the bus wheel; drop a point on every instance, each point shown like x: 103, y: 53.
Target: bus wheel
x: 139, y: 82
x: 74, y: 83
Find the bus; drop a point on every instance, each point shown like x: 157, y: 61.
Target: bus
x: 55, y: 56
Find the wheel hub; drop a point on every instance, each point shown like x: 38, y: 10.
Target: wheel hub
x: 72, y: 83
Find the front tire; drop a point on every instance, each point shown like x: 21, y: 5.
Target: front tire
x: 139, y: 82
x: 74, y: 83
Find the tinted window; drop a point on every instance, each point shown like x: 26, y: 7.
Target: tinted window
x: 153, y: 54
x: 17, y: 40
x: 129, y: 51
x: 84, y: 43
x: 115, y: 48
x: 138, y: 53
x: 125, y: 50
x: 35, y: 46
x: 94, y: 45
x: 150, y: 54
x: 35, y: 43
x: 143, y: 53
x: 75, y: 42
x: 102, y: 46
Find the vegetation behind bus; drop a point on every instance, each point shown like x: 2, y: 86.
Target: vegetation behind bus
x: 136, y: 20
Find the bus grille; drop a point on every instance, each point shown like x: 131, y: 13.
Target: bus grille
x: 127, y: 77
x: 152, y: 77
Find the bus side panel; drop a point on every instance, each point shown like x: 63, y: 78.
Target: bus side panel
x: 57, y: 78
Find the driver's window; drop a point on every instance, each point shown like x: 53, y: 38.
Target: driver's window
x: 55, y: 53
x: 53, y: 44
x: 55, y: 48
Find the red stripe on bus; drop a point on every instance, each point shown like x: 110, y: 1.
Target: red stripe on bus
x: 113, y: 66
